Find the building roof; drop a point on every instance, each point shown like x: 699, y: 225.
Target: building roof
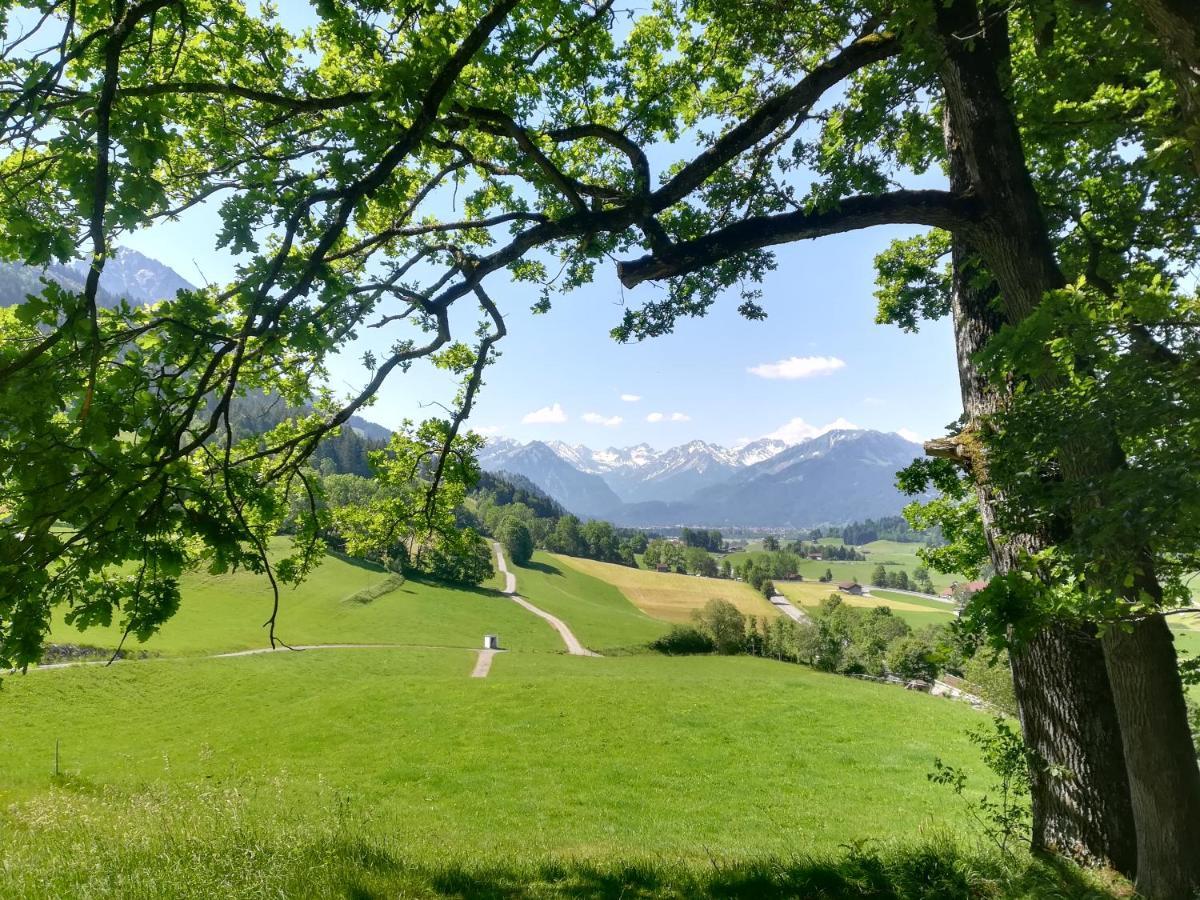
x: 969, y: 587
x: 846, y: 585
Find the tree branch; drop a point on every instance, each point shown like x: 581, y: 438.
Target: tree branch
x: 938, y: 209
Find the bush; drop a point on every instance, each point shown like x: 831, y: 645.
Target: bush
x: 517, y: 540
x: 724, y: 624
x: 991, y: 679
x: 911, y: 657
x: 683, y: 640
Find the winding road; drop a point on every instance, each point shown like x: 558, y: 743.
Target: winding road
x: 574, y: 647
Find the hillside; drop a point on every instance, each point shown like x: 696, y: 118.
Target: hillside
x: 394, y: 773
x: 222, y: 613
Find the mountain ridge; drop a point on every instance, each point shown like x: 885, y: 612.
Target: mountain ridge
x: 128, y: 275
x: 840, y: 476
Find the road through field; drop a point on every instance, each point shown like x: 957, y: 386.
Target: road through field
x: 574, y: 647
x: 785, y: 606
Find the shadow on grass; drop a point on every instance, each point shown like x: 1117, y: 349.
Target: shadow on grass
x: 544, y: 568
x: 355, y: 561
x: 490, y: 593
x: 924, y: 872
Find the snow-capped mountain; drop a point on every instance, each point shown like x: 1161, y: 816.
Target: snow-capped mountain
x: 641, y: 473
x: 760, y: 450
x: 128, y: 275
x: 838, y: 477
x: 137, y: 277
x: 583, y: 493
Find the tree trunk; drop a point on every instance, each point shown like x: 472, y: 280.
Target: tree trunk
x: 1176, y: 25
x: 1017, y: 250
x: 1081, y: 801
x: 1079, y: 788
x: 1150, y: 704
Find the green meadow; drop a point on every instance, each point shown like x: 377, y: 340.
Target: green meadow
x: 223, y: 613
x: 389, y: 772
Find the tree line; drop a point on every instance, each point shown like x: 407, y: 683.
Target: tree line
x: 523, y: 519
x: 846, y: 640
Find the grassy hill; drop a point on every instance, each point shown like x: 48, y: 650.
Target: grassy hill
x: 374, y: 771
x: 671, y: 597
x: 383, y: 772
x: 597, y: 611
x: 225, y: 613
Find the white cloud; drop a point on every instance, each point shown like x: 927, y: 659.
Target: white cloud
x: 798, y: 367
x: 488, y: 430
x: 668, y: 417
x: 631, y: 398
x: 909, y: 435
x: 597, y: 419
x: 798, y: 430
x: 547, y: 415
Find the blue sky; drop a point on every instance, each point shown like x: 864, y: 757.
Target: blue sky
x: 699, y: 380
x: 562, y: 377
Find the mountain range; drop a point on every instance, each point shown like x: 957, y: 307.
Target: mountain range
x: 128, y: 275
x: 838, y: 477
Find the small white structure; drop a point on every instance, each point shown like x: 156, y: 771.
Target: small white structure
x: 491, y: 642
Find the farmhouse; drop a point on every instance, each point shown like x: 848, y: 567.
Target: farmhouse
x: 662, y: 567
x: 850, y: 587
x: 963, y: 590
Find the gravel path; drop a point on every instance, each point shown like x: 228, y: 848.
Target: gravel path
x: 574, y: 647
x: 483, y: 664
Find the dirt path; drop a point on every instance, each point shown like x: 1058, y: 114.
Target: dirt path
x: 574, y: 647
x: 483, y: 664
x: 234, y: 653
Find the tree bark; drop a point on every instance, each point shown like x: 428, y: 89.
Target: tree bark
x: 1176, y: 26
x: 1016, y: 247
x: 1164, y: 777
x: 1079, y: 788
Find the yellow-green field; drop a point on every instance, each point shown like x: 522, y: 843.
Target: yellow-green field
x: 671, y: 597
x: 914, y: 610
x: 892, y: 555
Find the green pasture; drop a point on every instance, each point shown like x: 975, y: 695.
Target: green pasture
x: 599, y: 614
x: 222, y: 613
x: 330, y: 769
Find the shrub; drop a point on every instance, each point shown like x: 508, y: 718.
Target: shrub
x: 724, y: 624
x: 991, y: 678
x: 517, y: 540
x: 911, y: 657
x: 683, y: 640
